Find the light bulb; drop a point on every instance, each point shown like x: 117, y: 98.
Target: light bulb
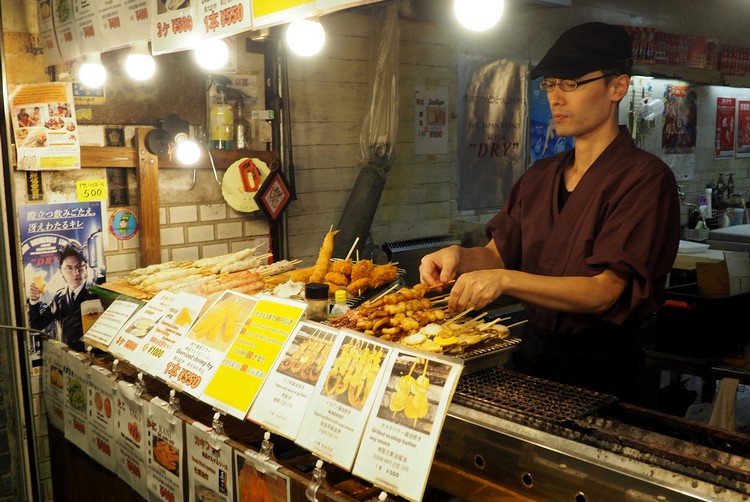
x: 478, y: 15
x: 212, y: 54
x: 139, y: 64
x: 92, y: 73
x: 187, y: 151
x: 305, y: 37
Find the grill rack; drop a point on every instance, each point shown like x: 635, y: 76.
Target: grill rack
x: 495, y: 389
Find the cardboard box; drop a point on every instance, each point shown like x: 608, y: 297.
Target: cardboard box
x: 724, y: 278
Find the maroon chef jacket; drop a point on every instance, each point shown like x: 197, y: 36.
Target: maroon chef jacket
x: 623, y: 214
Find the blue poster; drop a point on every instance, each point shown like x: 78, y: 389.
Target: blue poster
x: 544, y: 140
x: 63, y: 255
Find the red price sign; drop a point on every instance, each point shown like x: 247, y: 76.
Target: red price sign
x: 113, y: 22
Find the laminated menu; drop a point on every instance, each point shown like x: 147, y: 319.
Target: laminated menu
x: 335, y: 418
x: 284, y: 397
x: 404, y: 427
x: 210, y: 468
x: 101, y: 404
x: 130, y: 436
x: 251, y: 355
x: 193, y: 360
x: 53, y: 383
x: 130, y: 340
x: 106, y: 327
x: 259, y: 478
x: 75, y: 377
x: 165, y: 440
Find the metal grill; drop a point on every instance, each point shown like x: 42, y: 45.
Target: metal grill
x: 496, y: 389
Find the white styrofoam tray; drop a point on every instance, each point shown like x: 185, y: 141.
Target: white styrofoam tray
x: 689, y: 247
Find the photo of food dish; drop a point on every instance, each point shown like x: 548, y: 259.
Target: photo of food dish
x: 36, y: 137
x: 62, y: 8
x: 140, y: 327
x: 22, y: 134
x: 176, y: 4
x: 203, y: 494
x: 54, y: 123
x: 166, y: 455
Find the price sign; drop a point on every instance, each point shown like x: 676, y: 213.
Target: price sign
x: 91, y: 189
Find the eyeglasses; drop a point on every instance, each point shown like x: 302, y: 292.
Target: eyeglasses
x: 568, y: 85
x: 78, y: 268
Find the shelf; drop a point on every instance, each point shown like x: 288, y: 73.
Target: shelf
x: 127, y: 157
x: 692, y: 75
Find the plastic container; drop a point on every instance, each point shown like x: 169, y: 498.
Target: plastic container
x: 340, y: 307
x: 316, y: 296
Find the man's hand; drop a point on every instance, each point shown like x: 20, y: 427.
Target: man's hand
x: 440, y: 267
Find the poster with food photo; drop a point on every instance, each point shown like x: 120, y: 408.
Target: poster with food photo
x: 75, y: 378
x: 210, y: 467
x: 53, y: 383
x: 45, y: 130
x: 130, y: 436
x: 101, y: 398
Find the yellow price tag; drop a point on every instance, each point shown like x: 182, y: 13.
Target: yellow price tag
x: 91, y: 189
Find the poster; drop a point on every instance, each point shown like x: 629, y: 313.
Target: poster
x: 680, y: 119
x: 491, y: 130
x: 543, y: 139
x: 725, y: 108
x: 743, y: 129
x: 63, y: 256
x: 44, y: 125
x: 430, y: 120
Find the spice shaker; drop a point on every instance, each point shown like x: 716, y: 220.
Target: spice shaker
x: 316, y: 296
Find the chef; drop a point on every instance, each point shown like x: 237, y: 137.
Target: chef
x: 586, y: 238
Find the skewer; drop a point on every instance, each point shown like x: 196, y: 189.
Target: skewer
x: 459, y: 315
x: 517, y: 323
x: 439, y: 299
x: 352, y: 248
x: 442, y: 284
x: 381, y: 295
x: 494, y: 321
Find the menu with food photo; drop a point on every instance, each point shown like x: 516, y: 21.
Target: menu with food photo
x: 284, y: 397
x: 197, y: 355
x: 130, y: 436
x: 402, y: 432
x: 53, y: 383
x: 335, y: 420
x: 166, y: 445
x: 210, y: 464
x: 131, y: 338
x: 101, y: 399
x: 75, y: 378
x: 45, y: 127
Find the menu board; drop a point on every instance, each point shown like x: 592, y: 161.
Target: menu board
x: 290, y: 385
x: 123, y: 21
x: 181, y: 24
x: 131, y: 339
x: 252, y: 354
x: 166, y: 447
x: 335, y: 419
x: 192, y: 362
x: 47, y: 37
x: 403, y: 430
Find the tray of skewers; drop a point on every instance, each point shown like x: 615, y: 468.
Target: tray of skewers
x: 414, y: 317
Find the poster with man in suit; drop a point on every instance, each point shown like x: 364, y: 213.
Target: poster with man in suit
x: 63, y: 255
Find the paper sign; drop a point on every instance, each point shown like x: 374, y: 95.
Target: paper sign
x: 210, y: 467
x: 252, y: 354
x: 53, y: 383
x: 101, y: 408
x: 130, y: 437
x: 335, y: 419
x: 259, y: 478
x: 403, y: 430
x: 130, y: 340
x: 75, y: 377
x: 285, y: 395
x: 104, y: 330
x: 193, y: 361
x: 165, y: 451
x: 91, y: 189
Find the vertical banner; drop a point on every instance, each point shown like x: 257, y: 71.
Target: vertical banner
x: 492, y: 115
x: 47, y: 37
x: 430, y: 120
x: 679, y: 128
x: 743, y: 129
x: 725, y: 110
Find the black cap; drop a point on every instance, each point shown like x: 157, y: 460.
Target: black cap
x: 316, y: 291
x: 585, y: 48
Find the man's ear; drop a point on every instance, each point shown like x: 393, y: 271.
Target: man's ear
x: 622, y: 84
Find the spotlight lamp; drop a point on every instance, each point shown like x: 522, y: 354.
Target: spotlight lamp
x: 478, y: 15
x: 140, y: 64
x: 305, y: 37
x: 92, y: 73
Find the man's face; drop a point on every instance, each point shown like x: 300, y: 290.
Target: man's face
x: 73, y: 271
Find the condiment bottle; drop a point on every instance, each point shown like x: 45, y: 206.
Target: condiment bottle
x: 221, y: 123
x: 316, y: 296
x: 340, y: 307
x: 241, y: 126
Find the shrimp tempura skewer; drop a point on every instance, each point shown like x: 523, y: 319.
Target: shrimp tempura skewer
x: 324, y: 258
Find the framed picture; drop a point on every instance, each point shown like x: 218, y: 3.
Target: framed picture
x: 273, y: 196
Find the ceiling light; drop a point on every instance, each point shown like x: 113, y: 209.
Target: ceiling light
x: 212, y: 54
x: 186, y: 150
x: 92, y: 73
x: 478, y: 15
x: 305, y: 37
x: 140, y: 64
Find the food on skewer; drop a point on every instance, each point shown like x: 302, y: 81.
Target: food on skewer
x: 324, y: 258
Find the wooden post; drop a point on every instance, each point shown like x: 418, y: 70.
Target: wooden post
x: 147, y: 173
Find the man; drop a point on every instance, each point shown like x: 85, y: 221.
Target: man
x: 586, y: 238
x: 64, y: 311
